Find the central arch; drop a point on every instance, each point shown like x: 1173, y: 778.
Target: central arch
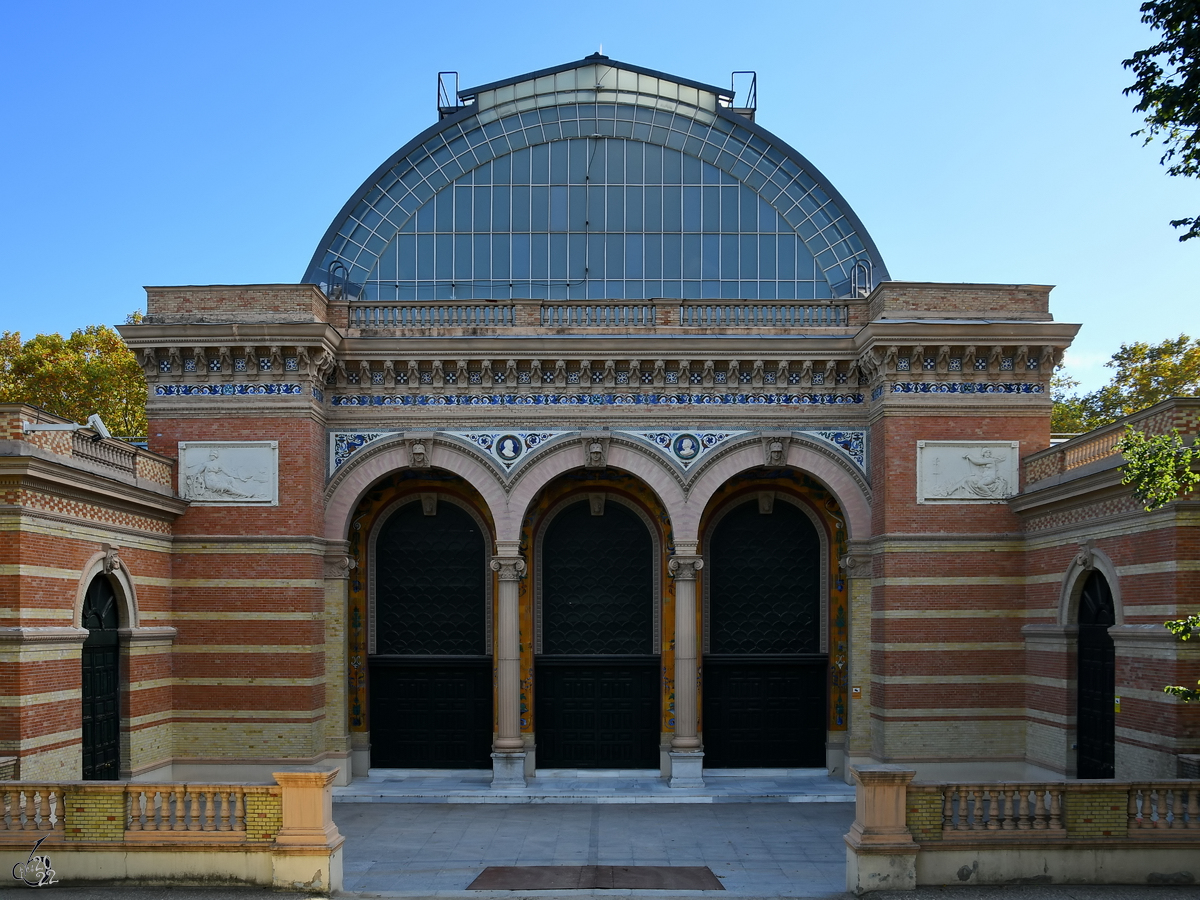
x: 597, y: 627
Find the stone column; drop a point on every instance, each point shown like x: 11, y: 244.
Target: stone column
x: 687, y: 759
x: 508, y: 757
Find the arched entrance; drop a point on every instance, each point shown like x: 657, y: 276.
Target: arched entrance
x: 765, y: 656
x: 596, y: 667
x: 1096, y: 680
x: 101, y: 683
x: 429, y: 658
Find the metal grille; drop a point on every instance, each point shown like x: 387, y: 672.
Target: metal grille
x: 765, y: 583
x: 1097, y: 680
x: 101, y: 694
x: 598, y: 583
x: 431, y: 595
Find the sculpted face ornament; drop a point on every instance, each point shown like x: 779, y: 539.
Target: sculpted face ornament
x: 420, y: 456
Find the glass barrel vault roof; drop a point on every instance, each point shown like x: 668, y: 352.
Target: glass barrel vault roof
x: 596, y: 180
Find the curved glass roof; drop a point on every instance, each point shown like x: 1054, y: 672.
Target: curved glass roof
x: 596, y: 180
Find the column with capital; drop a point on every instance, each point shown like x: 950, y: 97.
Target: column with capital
x: 508, y: 756
x: 687, y: 759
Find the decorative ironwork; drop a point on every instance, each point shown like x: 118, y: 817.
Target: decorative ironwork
x: 597, y: 583
x: 765, y: 583
x: 430, y: 591
x: 1097, y: 680
x: 101, y: 687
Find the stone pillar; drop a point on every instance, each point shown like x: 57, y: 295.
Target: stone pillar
x: 308, y: 847
x: 508, y: 757
x: 881, y: 854
x: 687, y: 759
x: 859, y: 749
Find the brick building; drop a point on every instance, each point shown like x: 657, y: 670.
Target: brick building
x: 595, y: 436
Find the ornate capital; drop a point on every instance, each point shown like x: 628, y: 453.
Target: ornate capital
x: 851, y: 563
x: 684, y: 568
x: 511, y: 568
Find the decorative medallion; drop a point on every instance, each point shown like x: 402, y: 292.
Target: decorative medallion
x: 506, y: 447
x: 684, y: 447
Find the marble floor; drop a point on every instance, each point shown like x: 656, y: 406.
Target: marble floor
x: 436, y: 849
x: 596, y: 786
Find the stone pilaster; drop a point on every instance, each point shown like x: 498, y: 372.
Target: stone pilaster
x: 508, y: 758
x: 857, y: 565
x: 687, y: 759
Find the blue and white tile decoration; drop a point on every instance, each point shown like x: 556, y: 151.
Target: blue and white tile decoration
x: 851, y: 441
x: 343, y: 444
x: 506, y: 447
x: 224, y: 390
x: 967, y: 387
x: 776, y: 399
x: 684, y: 447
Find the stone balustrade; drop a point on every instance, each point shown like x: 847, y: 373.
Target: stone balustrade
x: 907, y: 834
x: 281, y: 835
x: 620, y: 315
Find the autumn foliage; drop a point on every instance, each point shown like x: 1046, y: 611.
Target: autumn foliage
x: 92, y: 371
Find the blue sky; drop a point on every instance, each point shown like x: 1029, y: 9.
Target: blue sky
x: 201, y: 143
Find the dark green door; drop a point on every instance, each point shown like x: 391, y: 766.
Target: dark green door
x: 1095, y: 713
x: 431, y: 669
x: 101, y: 686
x: 597, y: 675
x: 765, y: 677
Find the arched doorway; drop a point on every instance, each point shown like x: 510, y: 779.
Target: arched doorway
x: 429, y: 659
x: 765, y: 658
x: 596, y: 667
x: 1096, y: 680
x: 101, y: 683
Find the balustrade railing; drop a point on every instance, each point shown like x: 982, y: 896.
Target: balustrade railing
x: 432, y: 315
x: 175, y: 807
x: 598, y: 315
x: 763, y: 315
x: 110, y: 454
x: 1002, y: 807
x: 32, y: 807
x: 1157, y: 806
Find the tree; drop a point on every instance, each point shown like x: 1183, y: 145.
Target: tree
x: 1145, y: 374
x: 1183, y: 628
x: 1168, y: 85
x: 92, y: 371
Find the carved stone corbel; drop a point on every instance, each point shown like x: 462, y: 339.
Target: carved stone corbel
x: 775, y: 449
x: 1021, y: 360
x: 968, y: 358
x: 250, y: 354
x: 429, y: 504
x: 685, y: 374
x: 510, y: 374
x: 201, y: 359
x: 439, y: 377
x: 781, y: 373
x: 1049, y: 359
x: 943, y: 359
x: 112, y: 561
x: 733, y: 375
x: 560, y: 373
x: 994, y: 356
x: 149, y: 362
x: 596, y: 503
x: 462, y: 376
x: 1086, y: 557
x: 389, y: 373
x: 418, y: 453
x: 635, y: 374
x: 854, y: 564
x: 660, y: 373
x: 708, y: 378
x: 595, y: 450
x: 585, y: 374
x: 487, y: 377
x: 806, y: 373
x: 414, y: 375
x: 364, y: 372
x: 275, y: 354
x: 610, y: 373
x: 830, y: 372
x: 756, y: 374
x: 176, y: 359
x: 302, y: 361
x: 766, y: 502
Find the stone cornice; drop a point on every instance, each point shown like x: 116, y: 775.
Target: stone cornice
x: 48, y: 635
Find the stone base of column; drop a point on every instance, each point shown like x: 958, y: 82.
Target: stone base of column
x: 508, y: 770
x: 687, y: 768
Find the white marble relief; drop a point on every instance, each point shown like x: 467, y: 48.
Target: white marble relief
x: 967, y: 471
x: 507, y: 447
x: 229, y: 473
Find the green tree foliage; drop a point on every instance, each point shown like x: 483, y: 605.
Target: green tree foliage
x: 1157, y: 466
x: 1168, y: 90
x: 92, y: 371
x: 1145, y: 374
x: 1183, y: 628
